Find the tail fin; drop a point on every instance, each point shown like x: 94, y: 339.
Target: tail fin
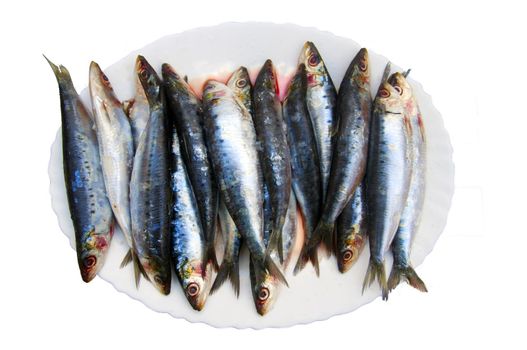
x: 210, y: 256
x: 409, y: 274
x: 138, y: 268
x: 228, y: 270
x: 61, y: 73
x: 304, y: 257
x: 274, y: 270
x: 275, y: 242
x: 324, y: 232
x: 376, y: 271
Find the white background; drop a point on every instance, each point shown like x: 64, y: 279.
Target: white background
x: 470, y: 57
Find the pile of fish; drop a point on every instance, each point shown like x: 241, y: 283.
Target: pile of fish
x: 177, y: 173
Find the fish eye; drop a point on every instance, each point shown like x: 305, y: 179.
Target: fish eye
x: 263, y: 294
x: 241, y: 83
x: 105, y: 80
x: 159, y: 280
x: 363, y: 66
x: 384, y: 93
x: 398, y: 89
x: 142, y: 73
x: 193, y: 289
x: 347, y: 255
x: 89, y: 261
x: 313, y: 60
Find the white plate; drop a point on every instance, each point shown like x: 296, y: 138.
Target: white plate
x: 215, y: 52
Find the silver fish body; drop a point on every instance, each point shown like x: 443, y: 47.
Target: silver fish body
x: 186, y: 111
x: 150, y: 187
x: 352, y: 231
x: 89, y: 207
x: 388, y: 178
x: 306, y: 178
x: 411, y: 215
x: 321, y: 102
x: 115, y: 146
x: 231, y: 139
x: 350, y: 147
x: 188, y: 236
x: 274, y: 150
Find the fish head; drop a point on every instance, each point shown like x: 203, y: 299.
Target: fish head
x: 316, y: 71
x: 92, y: 250
x: 388, y: 98
x: 213, y: 90
x: 100, y: 86
x: 176, y: 82
x: 195, y: 278
x: 267, y: 77
x: 149, y: 79
x: 265, y: 292
x: 240, y: 83
x: 401, y: 85
x: 349, y: 250
x: 298, y: 82
x: 360, y: 74
x: 158, y: 272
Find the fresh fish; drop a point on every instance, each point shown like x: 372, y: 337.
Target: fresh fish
x: 321, y: 103
x: 116, y: 149
x: 240, y: 84
x: 388, y: 178
x: 186, y: 111
x: 90, y: 209
x: 274, y: 154
x: 232, y: 143
x: 150, y: 186
x: 139, y: 109
x: 304, y: 161
x: 351, y: 146
x: 411, y: 215
x: 265, y: 287
x: 351, y: 230
x: 229, y: 268
x: 188, y: 236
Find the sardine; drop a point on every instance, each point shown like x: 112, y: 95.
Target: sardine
x: 321, y: 103
x: 350, y: 148
x: 352, y: 231
x: 90, y: 209
x: 229, y: 268
x: 188, y: 236
x: 240, y: 83
x: 274, y: 154
x: 115, y: 146
x: 185, y: 109
x: 304, y: 161
x: 150, y: 186
x: 387, y: 180
x: 233, y: 148
x: 411, y: 215
x: 265, y: 287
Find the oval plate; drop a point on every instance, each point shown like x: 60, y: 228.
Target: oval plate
x: 216, y: 52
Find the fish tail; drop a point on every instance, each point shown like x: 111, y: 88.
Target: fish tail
x: 376, y: 271
x: 305, y: 256
x: 274, y: 271
x: 275, y: 243
x: 60, y: 71
x: 407, y: 273
x: 227, y: 270
x: 138, y: 268
x: 324, y: 232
